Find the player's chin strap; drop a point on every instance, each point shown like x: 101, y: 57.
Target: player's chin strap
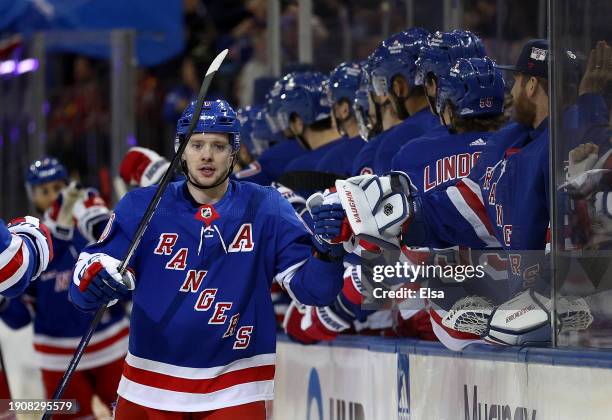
x: 202, y: 187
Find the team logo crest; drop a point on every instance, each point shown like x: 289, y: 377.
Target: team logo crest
x: 207, y: 214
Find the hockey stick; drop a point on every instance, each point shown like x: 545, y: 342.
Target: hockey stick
x: 144, y: 223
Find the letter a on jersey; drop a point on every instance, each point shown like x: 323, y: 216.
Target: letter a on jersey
x: 243, y: 241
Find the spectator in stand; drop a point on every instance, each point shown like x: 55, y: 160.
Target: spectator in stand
x: 79, y: 121
x: 255, y: 68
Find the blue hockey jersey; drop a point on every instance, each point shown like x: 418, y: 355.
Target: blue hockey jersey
x: 438, y: 159
x: 433, y: 162
x: 202, y: 330
x: 416, y: 125
x: 308, y: 163
x: 58, y: 325
x: 505, y: 202
x: 340, y: 159
x: 461, y: 214
x: 310, y: 160
x: 271, y: 164
x: 18, y: 259
x: 364, y: 162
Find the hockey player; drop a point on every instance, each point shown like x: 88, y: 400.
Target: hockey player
x: 470, y: 103
x: 505, y: 205
x: 73, y: 215
x: 202, y: 337
x: 380, y: 105
x: 394, y: 77
x: 255, y: 136
x: 344, y: 81
x: 306, y: 111
x: 442, y: 159
x: 368, y: 122
x: 438, y: 55
x: 271, y: 164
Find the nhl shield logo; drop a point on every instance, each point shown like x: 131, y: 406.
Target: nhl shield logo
x: 207, y: 214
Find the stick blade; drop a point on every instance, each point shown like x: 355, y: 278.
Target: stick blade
x: 214, y: 66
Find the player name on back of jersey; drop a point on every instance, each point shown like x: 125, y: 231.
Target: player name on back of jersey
x: 448, y: 169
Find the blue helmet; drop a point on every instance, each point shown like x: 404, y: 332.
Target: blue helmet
x: 344, y: 81
x: 474, y: 86
x: 254, y: 131
x: 216, y: 117
x: 304, y: 95
x: 272, y: 103
x: 443, y: 49
x: 262, y: 134
x: 396, y: 56
x: 46, y: 170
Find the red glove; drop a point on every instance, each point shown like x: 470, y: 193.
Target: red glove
x: 142, y: 167
x: 293, y: 321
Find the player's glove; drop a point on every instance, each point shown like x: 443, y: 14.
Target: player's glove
x: 587, y: 172
x: 376, y: 207
x: 332, y: 234
x: 91, y: 214
x: 99, y: 281
x: 58, y: 217
x: 142, y: 167
x: 292, y: 323
x: 31, y: 229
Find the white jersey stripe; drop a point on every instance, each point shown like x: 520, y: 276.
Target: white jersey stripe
x: 284, y: 277
x: 200, y: 373
x: 7, y: 255
x: 59, y: 362
x: 470, y: 215
x: 72, y: 343
x: 21, y: 271
x: 162, y: 399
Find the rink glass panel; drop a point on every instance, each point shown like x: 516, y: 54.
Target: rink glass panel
x: 350, y: 31
x: 88, y: 126
x: 582, y: 236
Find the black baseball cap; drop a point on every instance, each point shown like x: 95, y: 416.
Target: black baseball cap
x: 533, y: 59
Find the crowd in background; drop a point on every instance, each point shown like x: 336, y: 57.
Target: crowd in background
x: 79, y: 117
